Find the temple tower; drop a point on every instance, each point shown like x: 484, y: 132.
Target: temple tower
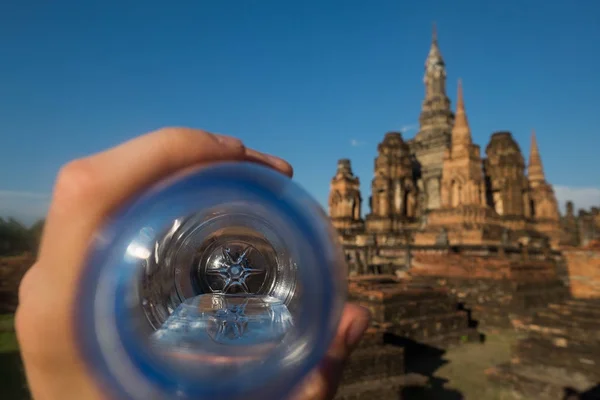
x: 508, y: 187
x: 462, y: 178
x: 464, y: 217
x: 570, y: 227
x: 394, y: 196
x: 435, y: 122
x: 543, y: 204
x: 535, y: 169
x: 589, y: 225
x: 345, y: 200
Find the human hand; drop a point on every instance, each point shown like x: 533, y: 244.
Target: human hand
x: 86, y: 192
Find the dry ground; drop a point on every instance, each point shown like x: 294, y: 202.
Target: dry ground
x: 461, y: 376
x: 464, y: 371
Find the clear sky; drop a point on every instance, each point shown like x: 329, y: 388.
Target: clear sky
x: 309, y: 80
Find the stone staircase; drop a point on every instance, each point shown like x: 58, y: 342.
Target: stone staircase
x: 409, y: 323
x: 415, y: 312
x: 376, y: 371
x: 494, y: 303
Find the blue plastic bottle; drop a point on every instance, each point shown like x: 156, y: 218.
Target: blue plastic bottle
x: 226, y: 282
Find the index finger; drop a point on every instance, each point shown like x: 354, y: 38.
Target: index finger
x: 87, y: 190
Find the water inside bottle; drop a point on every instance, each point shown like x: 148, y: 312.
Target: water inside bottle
x: 225, y: 324
x: 221, y: 290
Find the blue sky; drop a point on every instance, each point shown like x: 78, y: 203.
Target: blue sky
x: 311, y: 80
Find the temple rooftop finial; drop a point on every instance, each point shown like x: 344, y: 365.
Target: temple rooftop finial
x: 435, y: 56
x: 460, y: 101
x: 461, y: 133
x: 536, y: 169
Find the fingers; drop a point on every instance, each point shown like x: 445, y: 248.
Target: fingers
x: 266, y: 159
x: 102, y: 181
x: 90, y: 188
x: 354, y: 323
x: 29, y: 282
x: 86, y: 191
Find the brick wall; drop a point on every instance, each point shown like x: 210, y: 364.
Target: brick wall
x: 422, y: 314
x: 583, y: 266
x: 493, y: 288
x: 374, y: 371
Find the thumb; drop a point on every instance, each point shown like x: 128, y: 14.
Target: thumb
x: 322, y: 384
x: 355, y: 321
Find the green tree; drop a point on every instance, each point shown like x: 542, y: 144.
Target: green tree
x: 35, y: 235
x: 16, y: 238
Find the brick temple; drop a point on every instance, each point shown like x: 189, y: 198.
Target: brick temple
x: 458, y: 240
x: 487, y: 225
x: 560, y: 352
x: 438, y: 184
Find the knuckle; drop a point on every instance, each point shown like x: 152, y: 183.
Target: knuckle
x: 76, y: 182
x: 174, y: 142
x: 32, y: 331
x: 41, y: 317
x: 28, y: 282
x: 21, y: 320
x: 25, y: 321
x: 173, y: 137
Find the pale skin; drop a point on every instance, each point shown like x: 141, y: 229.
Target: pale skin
x: 87, y: 190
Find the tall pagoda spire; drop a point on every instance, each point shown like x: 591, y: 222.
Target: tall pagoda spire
x: 535, y: 168
x: 435, y: 69
x: 435, y: 126
x: 461, y: 133
x: 435, y: 55
x: 462, y: 176
x: 544, y: 207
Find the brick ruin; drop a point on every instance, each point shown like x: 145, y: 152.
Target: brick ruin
x: 457, y: 240
x: 375, y: 370
x: 437, y: 186
x: 583, y: 267
x: 409, y: 322
x: 562, y: 340
x: 581, y: 229
x: 417, y: 312
x: 435, y: 201
x: 559, y: 354
x: 495, y: 288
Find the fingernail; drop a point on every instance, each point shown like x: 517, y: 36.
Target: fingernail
x: 255, y: 155
x: 274, y: 160
x: 280, y: 164
x: 356, y: 331
x: 229, y: 141
x: 266, y: 158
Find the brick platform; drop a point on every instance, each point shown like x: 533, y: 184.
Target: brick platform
x: 408, y: 321
x: 420, y: 313
x: 583, y: 266
x: 493, y: 289
x: 376, y: 371
x: 560, y: 351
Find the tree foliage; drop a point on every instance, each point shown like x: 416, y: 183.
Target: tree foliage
x: 16, y: 238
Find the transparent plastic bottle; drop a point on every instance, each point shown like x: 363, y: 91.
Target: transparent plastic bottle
x: 224, y: 282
